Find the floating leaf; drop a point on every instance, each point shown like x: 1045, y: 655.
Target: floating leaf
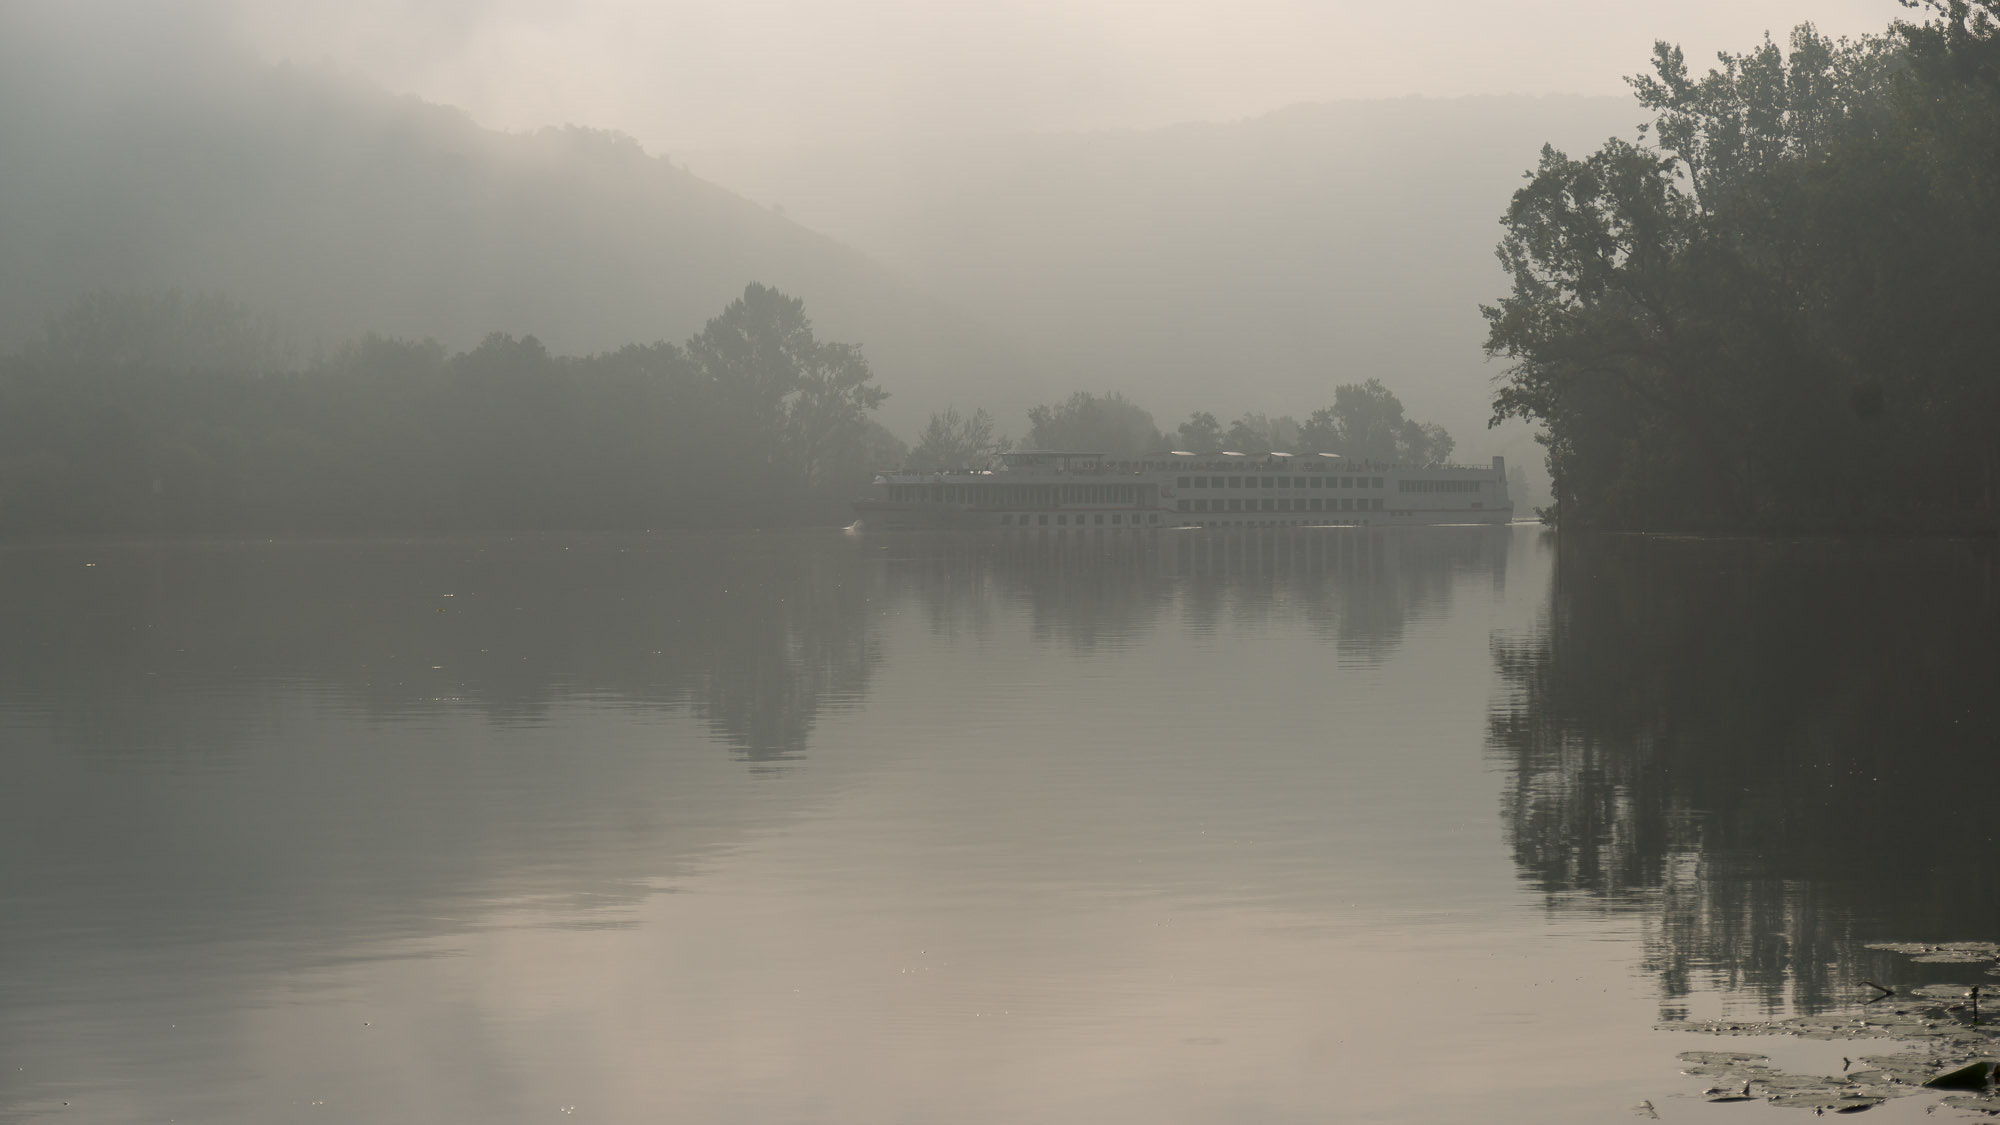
x: 1723, y: 1057
x: 1942, y: 953
x: 1837, y: 1102
x: 1934, y: 1020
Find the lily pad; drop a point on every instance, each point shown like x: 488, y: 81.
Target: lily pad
x: 1838, y: 1103
x: 1942, y: 953
x: 1977, y: 1103
x: 1934, y: 1020
x: 1943, y: 991
x: 1723, y: 1058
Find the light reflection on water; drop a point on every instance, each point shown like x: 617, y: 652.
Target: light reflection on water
x: 820, y: 827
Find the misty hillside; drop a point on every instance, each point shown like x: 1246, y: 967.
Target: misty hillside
x: 1242, y: 266
x: 340, y: 210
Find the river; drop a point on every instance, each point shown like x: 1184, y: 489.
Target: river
x: 1447, y: 824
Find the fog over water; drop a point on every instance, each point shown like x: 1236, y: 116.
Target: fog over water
x: 813, y: 826
x: 443, y: 677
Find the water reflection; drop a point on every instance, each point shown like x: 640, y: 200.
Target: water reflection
x: 1360, y: 588
x: 757, y: 639
x: 1772, y: 751
x: 760, y: 827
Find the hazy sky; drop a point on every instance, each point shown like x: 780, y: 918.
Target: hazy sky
x: 702, y: 73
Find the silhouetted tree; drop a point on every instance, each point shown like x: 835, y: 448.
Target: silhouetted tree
x: 1366, y: 423
x: 754, y: 420
x: 1201, y: 433
x: 1250, y: 433
x: 1776, y: 311
x: 1107, y: 423
x: 951, y: 440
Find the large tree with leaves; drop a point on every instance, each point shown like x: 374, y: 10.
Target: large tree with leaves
x: 800, y: 402
x: 1366, y: 423
x: 951, y: 440
x: 1108, y: 423
x: 1772, y: 308
x: 151, y: 412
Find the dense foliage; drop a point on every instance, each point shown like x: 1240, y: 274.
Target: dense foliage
x: 157, y: 413
x: 1365, y: 422
x: 1108, y: 423
x: 1774, y: 310
x: 950, y: 440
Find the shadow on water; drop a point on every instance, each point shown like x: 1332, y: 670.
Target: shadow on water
x: 1773, y: 751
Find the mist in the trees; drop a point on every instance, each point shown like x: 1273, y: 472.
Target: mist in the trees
x: 161, y: 412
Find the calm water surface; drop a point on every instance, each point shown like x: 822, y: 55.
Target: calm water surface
x: 1424, y: 825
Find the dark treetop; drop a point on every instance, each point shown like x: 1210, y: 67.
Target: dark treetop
x: 1774, y: 310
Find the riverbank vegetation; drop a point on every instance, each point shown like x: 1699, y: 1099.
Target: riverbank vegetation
x: 154, y: 412
x: 1773, y: 310
x: 158, y: 412
x: 1364, y: 422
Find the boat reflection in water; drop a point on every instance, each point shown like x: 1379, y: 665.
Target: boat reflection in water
x: 1358, y: 587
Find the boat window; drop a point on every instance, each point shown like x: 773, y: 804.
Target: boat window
x: 1184, y: 482
x: 1236, y: 482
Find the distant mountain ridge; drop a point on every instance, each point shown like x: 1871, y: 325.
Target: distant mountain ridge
x: 1250, y: 265
x: 341, y: 209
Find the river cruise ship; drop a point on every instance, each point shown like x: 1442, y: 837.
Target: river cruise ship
x: 1053, y: 489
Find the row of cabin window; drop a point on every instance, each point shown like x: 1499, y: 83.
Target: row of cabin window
x: 1358, y: 504
x: 1243, y: 466
x: 1438, y: 485
x: 1063, y: 520
x: 1038, y: 495
x: 1280, y: 482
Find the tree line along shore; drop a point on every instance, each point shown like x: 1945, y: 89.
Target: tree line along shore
x: 142, y: 413
x: 1771, y: 310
